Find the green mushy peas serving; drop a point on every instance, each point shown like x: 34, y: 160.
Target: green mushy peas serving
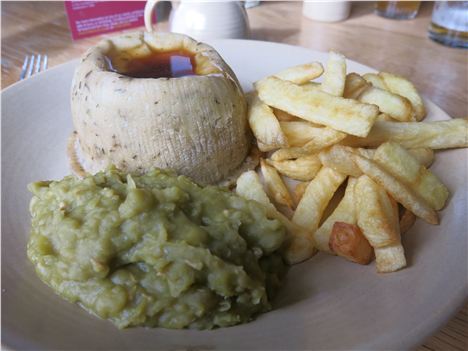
x: 155, y: 250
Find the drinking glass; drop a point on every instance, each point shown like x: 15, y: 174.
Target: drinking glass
x: 449, y: 24
x: 397, y: 9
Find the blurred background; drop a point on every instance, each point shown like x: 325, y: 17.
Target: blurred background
x: 424, y: 41
x: 399, y: 42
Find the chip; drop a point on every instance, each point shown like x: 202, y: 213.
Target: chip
x: 335, y: 74
x: 303, y: 168
x: 324, y: 138
x: 411, y: 135
x: 312, y: 86
x: 316, y: 198
x: 424, y: 155
x: 390, y: 258
x: 354, y: 86
x: 283, y: 116
x: 346, y: 240
x: 345, y: 212
x: 378, y: 220
x: 299, y: 191
x: 384, y: 117
x: 407, y: 169
x: 301, y: 74
x: 340, y: 158
x: 300, y: 133
x: 264, y: 125
x: 377, y: 213
x: 346, y: 115
x: 375, y: 80
x: 396, y: 106
x: 397, y: 190
x: 403, y: 87
x: 275, y: 185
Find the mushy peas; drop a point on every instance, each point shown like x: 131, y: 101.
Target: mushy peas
x: 155, y: 249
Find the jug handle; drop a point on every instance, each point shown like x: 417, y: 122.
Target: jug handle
x: 148, y: 14
x: 149, y: 8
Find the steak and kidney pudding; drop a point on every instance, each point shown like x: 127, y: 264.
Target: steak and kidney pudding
x: 145, y: 100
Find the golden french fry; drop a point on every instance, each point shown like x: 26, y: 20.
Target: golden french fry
x: 396, y: 189
x: 375, y: 80
x: 324, y: 138
x: 401, y: 86
x: 396, y: 106
x: 303, y: 168
x: 435, y: 135
x: 290, y: 154
x: 369, y: 153
x: 346, y: 240
x: 384, y: 117
x: 275, y: 185
x: 301, y: 74
x: 335, y: 74
x: 406, y: 221
x: 299, y: 191
x: 377, y: 213
x: 378, y: 220
x: 301, y: 245
x: 299, y: 248
x: 354, y: 86
x: 283, y: 116
x: 424, y: 155
x: 264, y: 125
x: 310, y: 86
x: 340, y: 158
x: 316, y: 198
x: 342, y: 114
x: 390, y: 258
x: 344, y: 212
x: 397, y: 161
x: 250, y: 187
x: 300, y: 133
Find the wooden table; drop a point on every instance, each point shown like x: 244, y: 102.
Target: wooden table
x: 402, y: 47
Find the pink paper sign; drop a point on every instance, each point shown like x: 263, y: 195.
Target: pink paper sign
x: 90, y: 18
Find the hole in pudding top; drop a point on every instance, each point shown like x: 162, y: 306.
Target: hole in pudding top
x: 155, y: 64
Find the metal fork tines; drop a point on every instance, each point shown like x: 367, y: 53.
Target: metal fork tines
x: 33, y: 64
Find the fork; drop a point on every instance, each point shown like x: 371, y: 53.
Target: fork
x: 32, y: 64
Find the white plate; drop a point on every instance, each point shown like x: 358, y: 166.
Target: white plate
x: 326, y: 302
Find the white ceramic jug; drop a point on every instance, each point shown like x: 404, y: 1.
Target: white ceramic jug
x: 204, y: 20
